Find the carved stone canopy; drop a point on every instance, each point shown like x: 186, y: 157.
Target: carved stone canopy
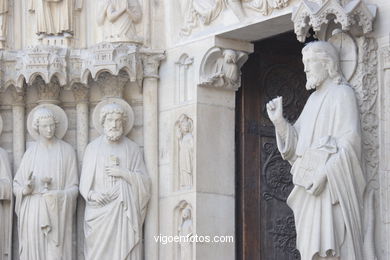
x: 70, y: 67
x: 353, y: 15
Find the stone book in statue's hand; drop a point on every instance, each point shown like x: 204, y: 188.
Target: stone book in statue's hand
x: 307, y: 166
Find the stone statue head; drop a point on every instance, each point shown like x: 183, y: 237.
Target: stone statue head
x: 230, y: 56
x: 186, y: 213
x: 184, y: 125
x: 321, y: 61
x: 44, y: 123
x: 112, y: 118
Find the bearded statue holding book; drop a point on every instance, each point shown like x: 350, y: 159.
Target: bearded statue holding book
x: 324, y: 149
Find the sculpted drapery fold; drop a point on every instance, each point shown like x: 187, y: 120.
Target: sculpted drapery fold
x: 45, y: 221
x: 6, y: 209
x: 116, y: 188
x: 54, y: 17
x: 324, y: 148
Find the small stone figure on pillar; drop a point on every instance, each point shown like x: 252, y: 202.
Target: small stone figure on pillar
x: 185, y: 233
x: 6, y: 201
x: 46, y: 190
x: 185, y: 140
x: 324, y: 148
x: 115, y: 186
x: 3, y: 23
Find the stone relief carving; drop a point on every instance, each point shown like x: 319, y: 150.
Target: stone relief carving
x: 184, y: 72
x: 221, y: 68
x: 45, y: 187
x: 316, y: 14
x: 117, y: 19
x: 6, y: 204
x: 54, y: 17
x: 3, y: 23
x: 115, y: 186
x: 365, y: 84
x: 206, y: 11
x: 335, y: 182
x: 385, y: 164
x: 265, y: 7
x: 186, y: 230
x: 183, y: 225
x: 185, y: 151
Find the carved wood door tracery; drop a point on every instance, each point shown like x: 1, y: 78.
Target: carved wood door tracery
x: 265, y: 224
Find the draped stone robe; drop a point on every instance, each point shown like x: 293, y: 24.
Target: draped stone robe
x: 45, y: 222
x: 119, y: 26
x: 114, y: 231
x: 3, y: 19
x: 186, y: 153
x: 6, y: 208
x: 54, y: 16
x: 329, y: 224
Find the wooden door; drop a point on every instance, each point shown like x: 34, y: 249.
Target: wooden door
x: 265, y: 224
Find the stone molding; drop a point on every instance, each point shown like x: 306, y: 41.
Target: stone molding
x: 309, y: 14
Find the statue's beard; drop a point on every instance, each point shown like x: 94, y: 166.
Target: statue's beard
x: 113, y: 134
x: 314, y: 81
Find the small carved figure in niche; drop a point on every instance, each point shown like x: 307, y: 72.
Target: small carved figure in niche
x: 324, y: 148
x: 115, y: 186
x: 6, y: 200
x: 54, y: 17
x: 265, y: 7
x: 3, y: 22
x: 185, y: 230
x: 185, y: 140
x: 117, y: 18
x: 46, y: 190
x: 226, y: 72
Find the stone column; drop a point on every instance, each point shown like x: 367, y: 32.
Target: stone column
x: 151, y: 62
x: 81, y: 96
x: 19, y: 140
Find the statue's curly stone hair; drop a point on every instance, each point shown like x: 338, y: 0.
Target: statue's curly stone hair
x: 42, y: 113
x: 109, y: 109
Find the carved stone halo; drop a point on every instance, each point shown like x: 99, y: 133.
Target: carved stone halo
x: 126, y: 107
x: 60, y: 116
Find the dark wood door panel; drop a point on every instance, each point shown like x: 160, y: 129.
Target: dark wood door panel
x: 265, y: 224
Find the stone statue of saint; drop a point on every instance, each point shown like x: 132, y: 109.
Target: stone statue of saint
x: 117, y: 19
x: 46, y: 190
x: 6, y: 201
x: 3, y: 22
x: 185, y: 230
x: 115, y: 186
x: 54, y: 17
x: 324, y: 148
x: 185, y: 151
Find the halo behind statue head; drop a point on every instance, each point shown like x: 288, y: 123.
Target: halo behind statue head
x: 59, y: 115
x: 128, y: 123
